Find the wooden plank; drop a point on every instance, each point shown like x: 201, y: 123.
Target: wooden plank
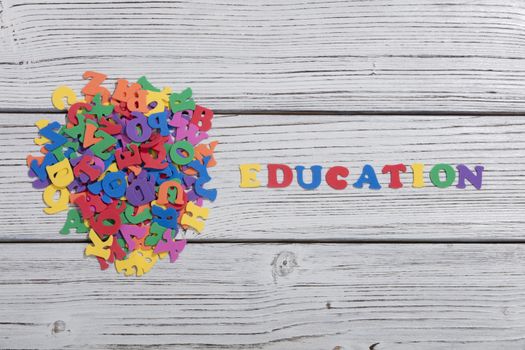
x: 302, y: 55
x: 497, y: 211
x: 268, y: 296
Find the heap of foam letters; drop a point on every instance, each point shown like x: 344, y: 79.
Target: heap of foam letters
x: 129, y: 167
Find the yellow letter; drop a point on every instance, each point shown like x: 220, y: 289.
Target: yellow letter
x: 60, y: 93
x: 40, y: 124
x: 60, y: 174
x: 162, y: 98
x: 98, y: 248
x: 417, y: 170
x: 58, y: 205
x: 249, y: 175
x: 192, y: 220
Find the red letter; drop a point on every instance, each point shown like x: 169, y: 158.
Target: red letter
x: 203, y: 117
x: 272, y: 175
x: 332, y: 177
x: 394, y: 171
x: 126, y: 158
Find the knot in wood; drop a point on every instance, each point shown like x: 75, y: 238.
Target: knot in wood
x: 58, y: 326
x: 284, y: 263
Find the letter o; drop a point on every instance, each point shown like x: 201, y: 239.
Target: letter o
x: 176, y: 157
x: 450, y: 175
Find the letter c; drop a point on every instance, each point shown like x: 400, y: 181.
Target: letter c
x: 332, y: 177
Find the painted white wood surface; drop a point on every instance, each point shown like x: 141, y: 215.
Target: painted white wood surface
x: 497, y: 211
x: 438, y: 57
x: 293, y: 55
x: 244, y: 296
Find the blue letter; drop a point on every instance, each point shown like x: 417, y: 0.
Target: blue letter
x: 316, y: 177
x: 368, y: 175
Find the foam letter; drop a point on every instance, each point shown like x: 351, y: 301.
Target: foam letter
x: 74, y: 220
x: 176, y: 157
x: 450, y: 175
x: 99, y: 247
x: 165, y: 217
x: 58, y: 205
x: 332, y: 177
x: 272, y: 176
x: 172, y: 185
x: 60, y: 174
x: 61, y: 93
x: 192, y: 220
x: 394, y: 171
x: 417, y: 171
x: 182, y: 101
x: 368, y: 175
x: 94, y: 87
x: 316, y: 177
x: 249, y: 175
x: 202, y: 118
x: 466, y: 173
x: 114, y: 184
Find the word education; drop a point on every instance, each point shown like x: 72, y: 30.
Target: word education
x: 440, y: 175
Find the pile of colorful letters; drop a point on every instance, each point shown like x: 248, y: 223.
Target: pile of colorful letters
x: 132, y: 166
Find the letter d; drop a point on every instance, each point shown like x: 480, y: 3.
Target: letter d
x: 272, y: 175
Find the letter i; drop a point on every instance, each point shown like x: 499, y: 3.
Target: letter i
x: 417, y: 171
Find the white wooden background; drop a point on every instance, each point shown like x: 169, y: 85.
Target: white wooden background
x: 298, y: 82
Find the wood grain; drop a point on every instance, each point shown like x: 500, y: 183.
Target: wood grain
x: 402, y: 55
x: 496, y: 212
x: 268, y: 296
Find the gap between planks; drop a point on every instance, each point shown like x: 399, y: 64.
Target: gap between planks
x: 291, y: 241
x: 281, y: 112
